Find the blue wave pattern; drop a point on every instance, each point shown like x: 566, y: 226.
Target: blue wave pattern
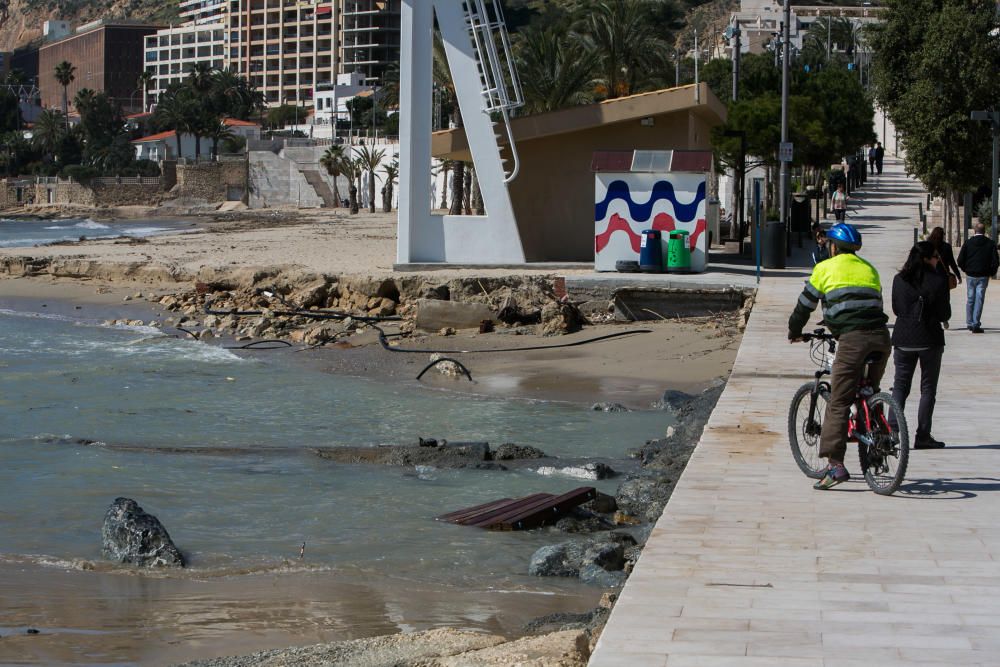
x: 642, y: 212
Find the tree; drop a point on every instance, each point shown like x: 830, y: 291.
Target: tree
x: 625, y: 41
x: 65, y: 74
x: 200, y: 77
x: 234, y: 96
x: 218, y: 132
x: 553, y: 70
x: 935, y: 61
x: 331, y: 161
x: 173, y: 112
x: 370, y: 159
x: 10, y: 111
x: 146, y: 77
x: 352, y: 169
x: 281, y: 116
x: 48, y: 131
x: 391, y: 172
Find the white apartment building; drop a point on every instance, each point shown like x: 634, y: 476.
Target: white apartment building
x: 288, y: 49
x: 172, y: 52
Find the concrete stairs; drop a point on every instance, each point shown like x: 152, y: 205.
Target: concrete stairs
x: 321, y: 187
x: 278, y: 182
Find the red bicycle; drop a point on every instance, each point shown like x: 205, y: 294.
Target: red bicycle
x: 876, y: 423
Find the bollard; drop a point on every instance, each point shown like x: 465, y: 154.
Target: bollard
x: 916, y: 236
x: 921, y: 217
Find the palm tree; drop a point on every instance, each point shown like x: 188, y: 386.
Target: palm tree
x: 200, y: 77
x: 146, y: 77
x: 555, y: 71
x: 83, y: 100
x: 352, y: 169
x: 173, y: 111
x: 371, y: 158
x: 65, y: 74
x: 442, y: 77
x: 444, y: 168
x: 331, y: 161
x: 218, y: 132
x: 391, y: 172
x: 48, y: 131
x: 625, y: 42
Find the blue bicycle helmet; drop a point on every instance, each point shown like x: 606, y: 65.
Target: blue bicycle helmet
x: 846, y: 236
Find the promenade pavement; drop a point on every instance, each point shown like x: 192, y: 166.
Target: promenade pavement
x: 748, y: 565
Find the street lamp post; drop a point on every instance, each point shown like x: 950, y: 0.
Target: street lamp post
x: 785, y: 51
x: 994, y: 119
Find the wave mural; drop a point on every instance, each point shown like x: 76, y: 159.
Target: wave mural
x: 662, y: 190
x: 675, y: 201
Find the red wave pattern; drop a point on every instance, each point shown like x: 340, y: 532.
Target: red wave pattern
x: 618, y: 223
x: 663, y: 222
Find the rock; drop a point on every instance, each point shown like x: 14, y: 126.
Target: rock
x: 449, y: 368
x: 608, y: 555
x: 556, y: 560
x: 510, y: 451
x: 603, y: 504
x: 445, y: 455
x: 609, y: 407
x: 644, y: 497
x: 673, y: 400
x: 127, y: 297
x: 595, y: 575
x: 586, y: 471
x: 608, y: 600
x: 583, y: 522
x: 429, y: 442
x: 130, y: 535
x: 561, y: 318
x: 435, y: 315
x: 206, y: 335
x: 447, y: 331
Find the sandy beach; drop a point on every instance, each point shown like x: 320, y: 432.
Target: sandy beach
x: 166, y: 621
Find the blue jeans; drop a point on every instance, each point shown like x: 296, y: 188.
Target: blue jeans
x: 976, y: 294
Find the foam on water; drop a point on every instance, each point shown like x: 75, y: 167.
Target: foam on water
x: 85, y: 224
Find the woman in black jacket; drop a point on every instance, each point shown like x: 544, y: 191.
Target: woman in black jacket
x: 947, y: 265
x: 921, y: 304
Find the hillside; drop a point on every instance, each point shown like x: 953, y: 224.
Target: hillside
x: 21, y: 20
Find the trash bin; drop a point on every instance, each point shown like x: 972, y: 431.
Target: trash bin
x: 772, y: 247
x: 801, y: 217
x: 651, y: 252
x: 678, y: 252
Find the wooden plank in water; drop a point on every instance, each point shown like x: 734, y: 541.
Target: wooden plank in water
x: 514, y: 507
x: 540, y: 513
x: 456, y: 516
x: 473, y: 515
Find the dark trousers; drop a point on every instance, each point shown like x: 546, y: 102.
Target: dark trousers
x: 871, y: 165
x: 838, y: 213
x: 848, y: 366
x: 930, y: 370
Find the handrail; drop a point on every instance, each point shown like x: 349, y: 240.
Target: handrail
x: 513, y: 148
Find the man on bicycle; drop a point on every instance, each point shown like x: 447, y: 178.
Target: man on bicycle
x: 851, y: 293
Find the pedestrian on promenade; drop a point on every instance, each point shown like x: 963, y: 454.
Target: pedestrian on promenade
x: 851, y: 293
x: 947, y: 267
x: 821, y: 251
x: 840, y: 203
x: 879, y: 156
x: 978, y: 258
x: 871, y: 160
x: 921, y: 303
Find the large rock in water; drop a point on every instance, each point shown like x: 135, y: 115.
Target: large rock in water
x: 129, y: 535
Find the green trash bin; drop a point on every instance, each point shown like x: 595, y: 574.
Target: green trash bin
x: 678, y: 252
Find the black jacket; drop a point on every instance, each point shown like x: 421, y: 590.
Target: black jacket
x: 947, y: 264
x: 920, y: 309
x: 978, y: 257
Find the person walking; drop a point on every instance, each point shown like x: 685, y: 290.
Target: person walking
x: 821, y: 251
x: 921, y: 303
x: 871, y: 160
x: 947, y: 266
x: 978, y: 258
x: 879, y: 156
x: 840, y: 203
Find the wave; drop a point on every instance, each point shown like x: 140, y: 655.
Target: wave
x: 662, y: 190
x: 282, y: 566
x: 86, y: 224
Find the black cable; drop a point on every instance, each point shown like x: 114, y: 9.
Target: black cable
x: 438, y: 361
x: 274, y: 343
x: 188, y: 332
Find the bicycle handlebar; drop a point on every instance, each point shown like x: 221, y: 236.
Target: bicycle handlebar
x: 817, y: 334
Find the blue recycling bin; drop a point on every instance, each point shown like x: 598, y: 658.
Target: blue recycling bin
x: 651, y: 252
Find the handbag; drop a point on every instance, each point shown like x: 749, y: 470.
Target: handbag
x: 952, y: 281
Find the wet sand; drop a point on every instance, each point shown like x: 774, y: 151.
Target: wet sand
x: 109, y: 618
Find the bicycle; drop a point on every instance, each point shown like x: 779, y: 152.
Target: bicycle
x: 876, y: 423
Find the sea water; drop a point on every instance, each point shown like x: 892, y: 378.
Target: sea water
x: 23, y: 233
x: 220, y: 448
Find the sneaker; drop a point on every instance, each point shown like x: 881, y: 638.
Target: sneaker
x: 977, y: 330
x: 835, y: 475
x: 927, y: 443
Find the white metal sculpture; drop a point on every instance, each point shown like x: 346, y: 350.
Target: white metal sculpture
x: 479, y: 57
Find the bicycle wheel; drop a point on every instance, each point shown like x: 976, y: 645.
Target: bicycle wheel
x: 884, y: 460
x: 803, y: 432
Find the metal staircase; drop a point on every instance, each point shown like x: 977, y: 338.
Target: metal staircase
x: 499, y: 83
